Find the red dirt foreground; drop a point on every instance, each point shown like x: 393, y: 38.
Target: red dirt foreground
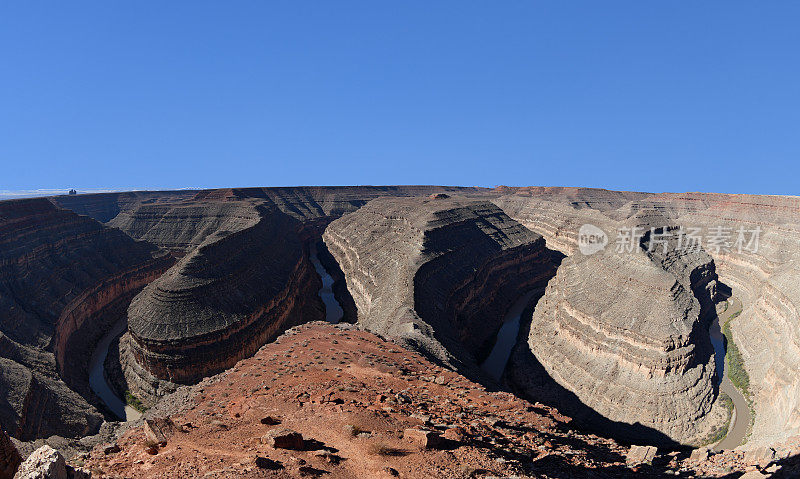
x: 334, y: 402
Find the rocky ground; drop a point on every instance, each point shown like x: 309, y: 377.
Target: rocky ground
x: 334, y: 401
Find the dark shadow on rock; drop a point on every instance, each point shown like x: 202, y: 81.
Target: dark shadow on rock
x: 340, y: 292
x: 528, y: 379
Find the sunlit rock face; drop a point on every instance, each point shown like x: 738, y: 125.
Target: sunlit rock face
x: 764, y: 278
x: 437, y: 273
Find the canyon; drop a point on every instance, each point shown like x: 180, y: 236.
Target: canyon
x: 491, y: 288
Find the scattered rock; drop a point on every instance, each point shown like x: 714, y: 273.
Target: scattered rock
x: 640, y: 455
x: 422, y: 438
x: 283, y: 439
x: 267, y: 463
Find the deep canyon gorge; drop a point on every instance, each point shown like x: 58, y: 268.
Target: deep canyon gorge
x: 480, y: 297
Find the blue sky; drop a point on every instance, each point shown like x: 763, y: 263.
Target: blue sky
x: 651, y: 96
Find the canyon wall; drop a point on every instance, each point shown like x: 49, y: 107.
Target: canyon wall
x: 59, y: 271
x: 764, y: 276
x: 627, y: 335
x: 437, y: 273
x: 222, y: 301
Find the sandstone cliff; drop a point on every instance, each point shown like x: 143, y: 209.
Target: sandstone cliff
x: 437, y: 273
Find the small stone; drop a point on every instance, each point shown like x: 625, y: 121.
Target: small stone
x: 111, y: 449
x: 455, y: 434
x: 392, y: 471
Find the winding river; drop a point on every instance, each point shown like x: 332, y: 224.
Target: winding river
x: 97, y: 380
x: 333, y: 311
x: 740, y: 420
x: 495, y: 363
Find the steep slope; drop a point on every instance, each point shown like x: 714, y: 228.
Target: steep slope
x: 763, y: 276
x: 437, y: 272
x: 63, y: 280
x: 220, y: 303
x: 627, y: 334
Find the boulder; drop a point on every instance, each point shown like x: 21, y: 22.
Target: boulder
x: 640, y: 455
x: 44, y: 463
x: 699, y: 455
x: 423, y: 438
x: 283, y: 439
x: 158, y: 430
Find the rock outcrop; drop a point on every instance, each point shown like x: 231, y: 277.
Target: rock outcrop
x: 437, y: 274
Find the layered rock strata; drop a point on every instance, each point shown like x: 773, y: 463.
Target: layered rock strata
x: 220, y: 303
x: 105, y: 206
x: 627, y: 335
x: 437, y: 274
x: 245, y: 276
x: 61, y: 276
x: 762, y: 276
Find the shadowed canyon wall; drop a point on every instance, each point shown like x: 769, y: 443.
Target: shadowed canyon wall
x: 60, y: 273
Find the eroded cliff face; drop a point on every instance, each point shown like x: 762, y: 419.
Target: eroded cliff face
x: 244, y: 276
x: 60, y: 276
x: 765, y: 279
x: 437, y: 273
x: 767, y: 331
x: 220, y: 303
x: 626, y: 334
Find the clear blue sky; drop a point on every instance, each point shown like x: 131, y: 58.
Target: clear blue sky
x: 639, y: 95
